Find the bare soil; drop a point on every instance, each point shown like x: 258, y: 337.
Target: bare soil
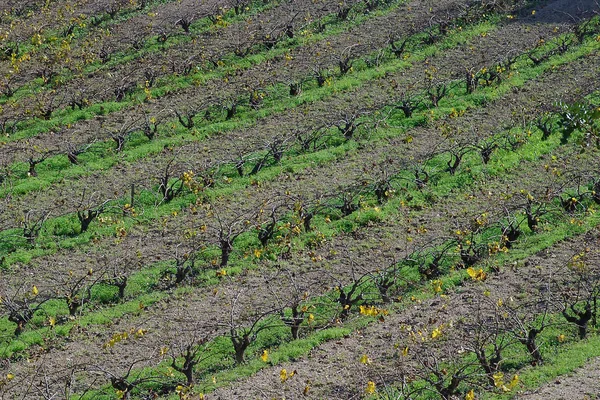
x: 228, y: 146
x: 583, y: 383
x: 158, y: 236
x: 332, y: 370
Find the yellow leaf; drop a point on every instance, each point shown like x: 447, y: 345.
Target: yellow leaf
x: 214, y: 380
x: 437, y: 332
x: 311, y: 319
x: 34, y: 290
x: 283, y: 375
x: 370, y: 387
x: 405, y: 351
x: 257, y: 253
x: 514, y: 381
x: 476, y: 275
x: 561, y: 338
x: 470, y: 395
x: 10, y: 377
x: 498, y: 379
x: 265, y: 356
x: 51, y: 321
x: 365, y: 359
x: 367, y: 310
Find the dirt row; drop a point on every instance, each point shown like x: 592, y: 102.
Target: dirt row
x: 374, y: 245
x: 98, y: 86
x: 322, y: 179
x: 238, y: 142
x: 319, y: 179
x: 375, y: 33
x: 580, y: 384
x: 27, y: 14
x: 371, y: 245
x: 216, y: 91
x: 203, y: 308
x: 342, y: 375
x: 60, y: 15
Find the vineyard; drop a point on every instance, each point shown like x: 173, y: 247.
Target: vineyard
x: 292, y: 199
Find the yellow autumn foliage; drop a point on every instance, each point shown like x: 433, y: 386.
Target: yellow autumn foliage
x: 476, y: 275
x: 370, y: 387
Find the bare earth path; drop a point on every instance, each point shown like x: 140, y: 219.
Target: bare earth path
x: 334, y: 371
x: 584, y: 383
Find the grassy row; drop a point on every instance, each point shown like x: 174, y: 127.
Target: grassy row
x: 550, y: 237
x: 142, y: 282
x: 280, y: 352
x: 151, y: 46
x: 101, y: 155
x: 481, y: 97
x: 275, y: 338
x: 33, y: 127
x: 571, y: 356
x: 559, y: 344
x: 93, y: 159
x: 230, y: 62
x: 561, y: 356
x: 278, y: 101
x: 455, y: 278
x: 53, y: 167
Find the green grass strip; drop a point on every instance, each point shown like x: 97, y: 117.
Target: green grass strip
x: 290, y: 351
x: 481, y: 97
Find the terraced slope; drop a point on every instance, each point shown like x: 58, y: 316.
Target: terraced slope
x: 298, y: 199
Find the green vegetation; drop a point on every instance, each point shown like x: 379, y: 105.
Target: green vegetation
x: 409, y: 200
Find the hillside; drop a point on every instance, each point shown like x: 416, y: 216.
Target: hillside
x: 380, y: 199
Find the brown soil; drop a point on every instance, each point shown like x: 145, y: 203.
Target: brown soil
x: 320, y: 180
x: 334, y: 369
x: 583, y: 383
x: 374, y: 244
x: 219, y: 148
